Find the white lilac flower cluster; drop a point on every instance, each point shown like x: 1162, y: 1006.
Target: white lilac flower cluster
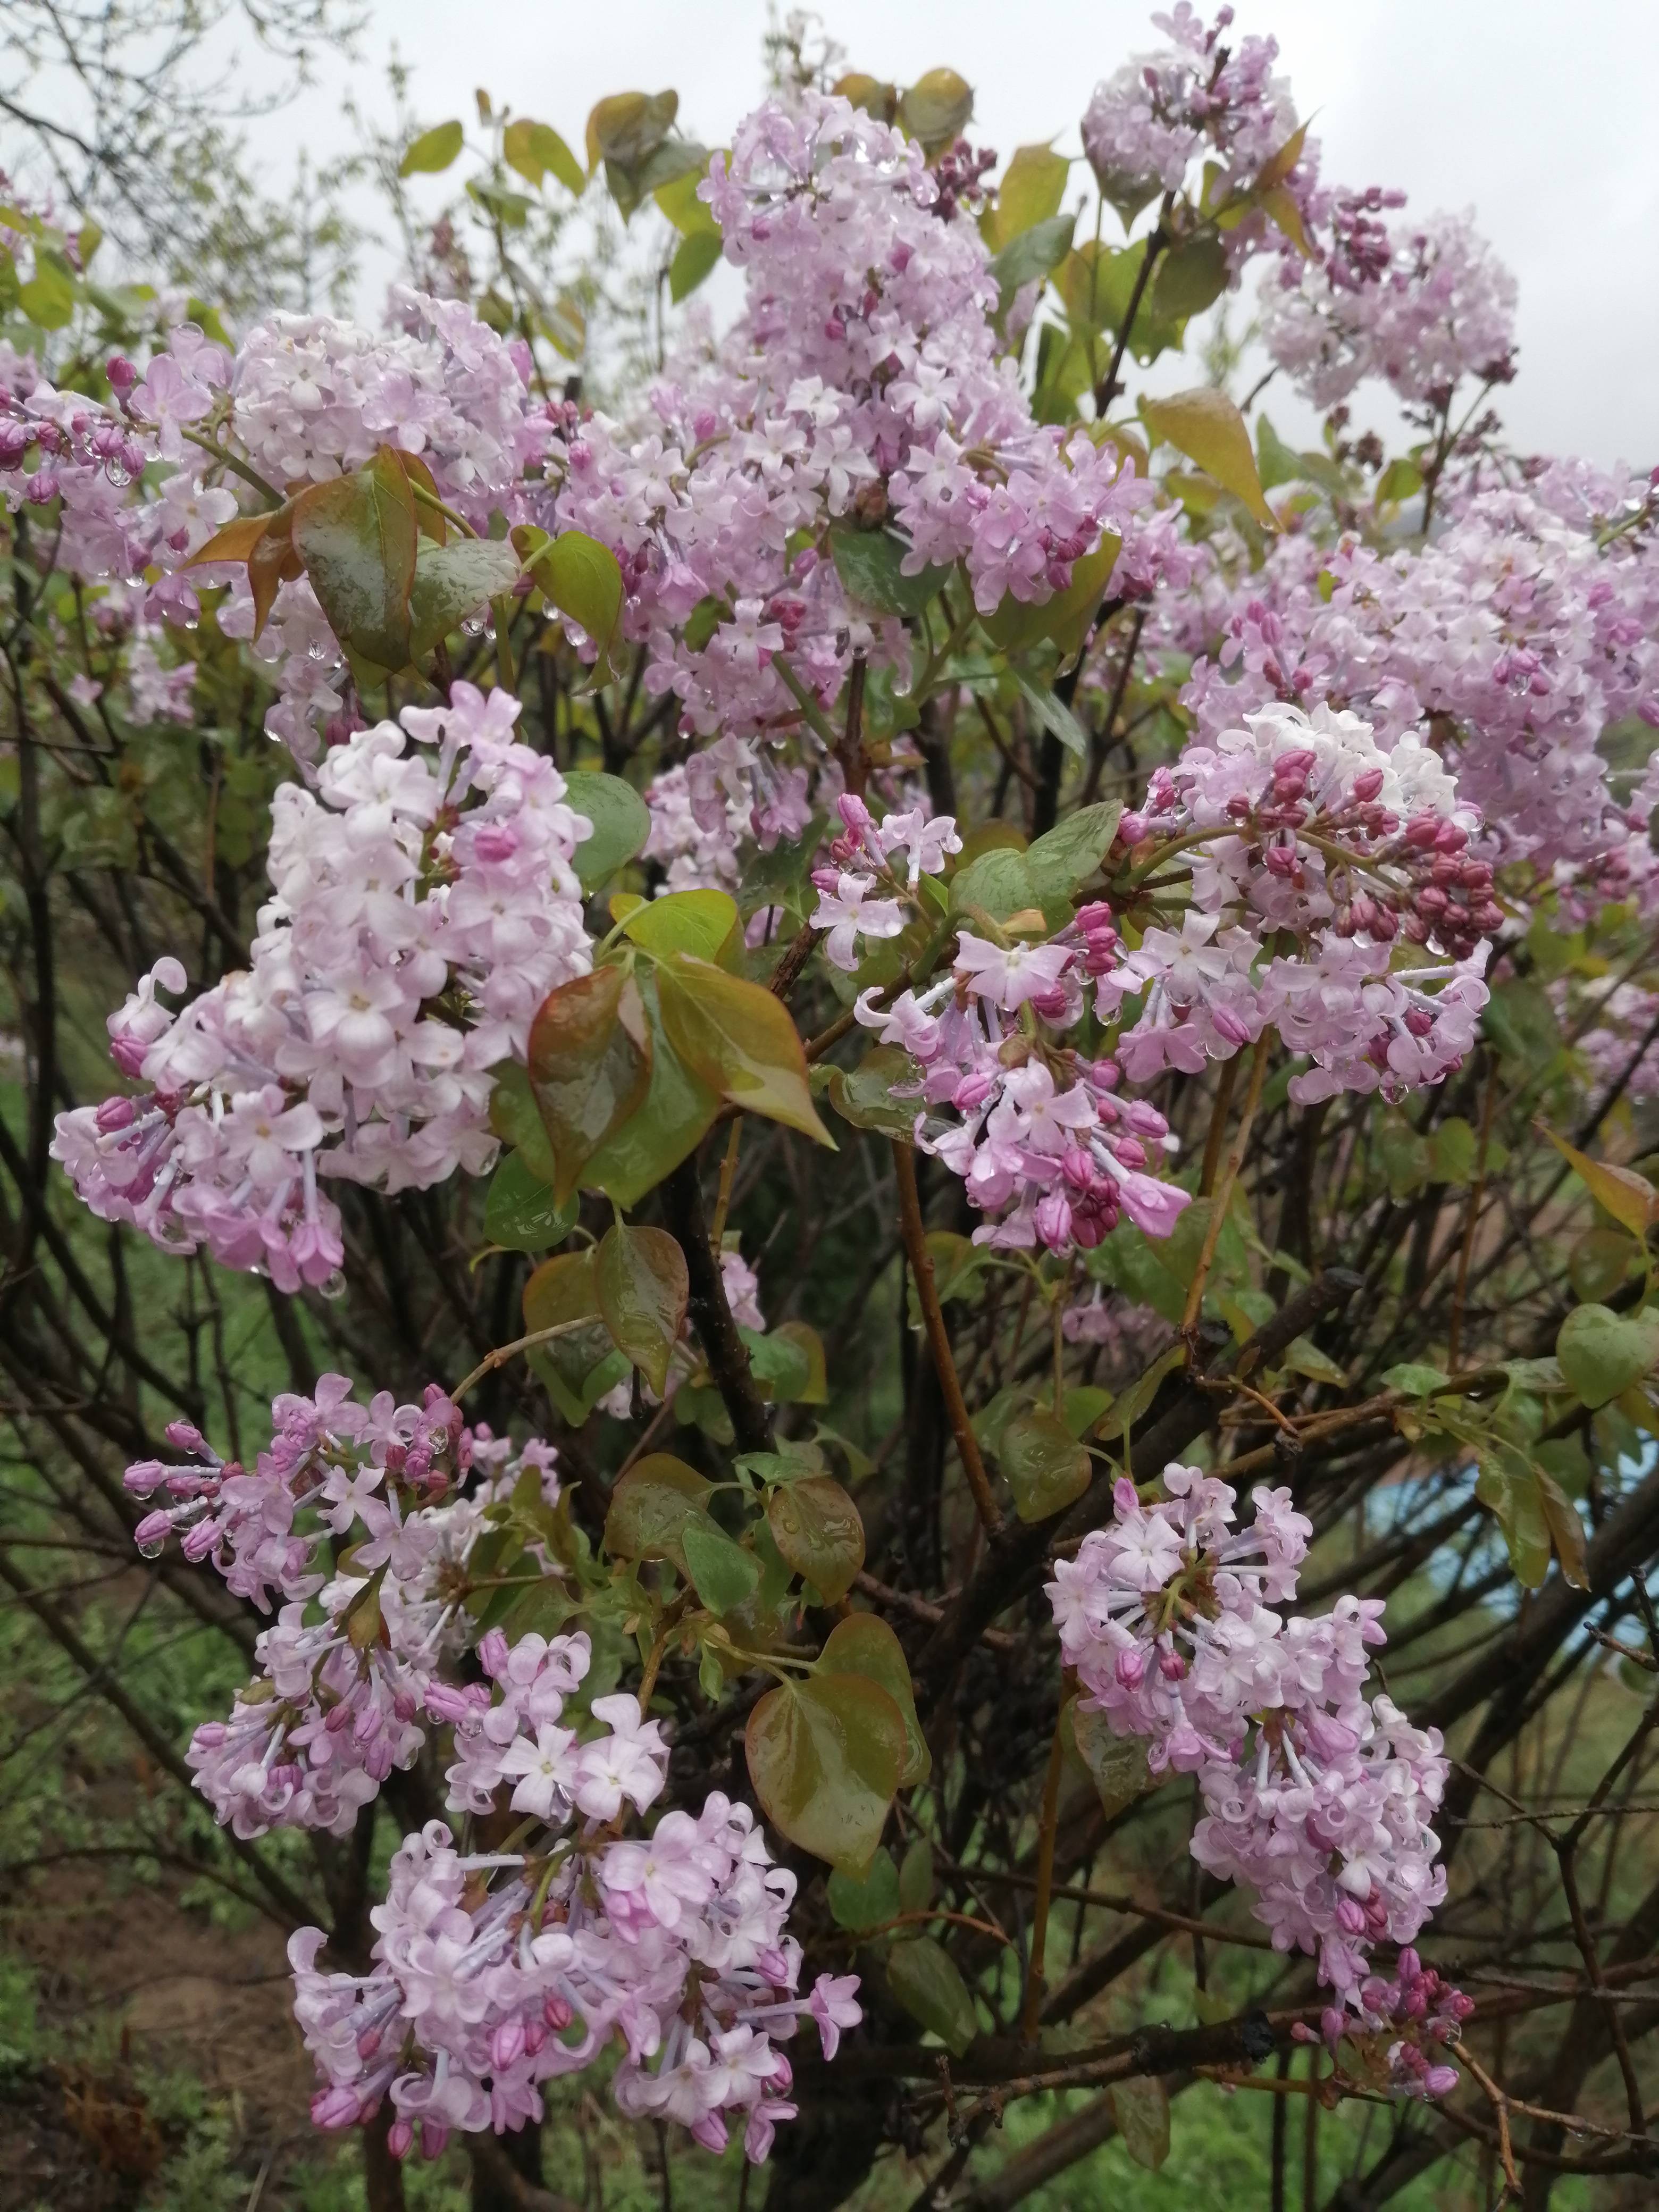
x: 425, y: 906
x: 1317, y: 1796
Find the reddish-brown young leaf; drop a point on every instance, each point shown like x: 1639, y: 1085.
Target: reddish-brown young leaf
x: 590, y: 1066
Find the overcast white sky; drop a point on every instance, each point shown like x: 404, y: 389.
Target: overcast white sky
x: 1541, y: 116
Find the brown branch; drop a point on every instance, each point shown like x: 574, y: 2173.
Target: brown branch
x: 938, y: 1338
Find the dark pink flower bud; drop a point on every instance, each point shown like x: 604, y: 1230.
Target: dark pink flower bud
x: 121, y: 374
x: 1367, y: 786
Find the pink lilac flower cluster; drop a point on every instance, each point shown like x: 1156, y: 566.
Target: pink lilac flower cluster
x: 675, y: 1943
x: 727, y: 794
x: 349, y: 1672
x: 1514, y: 637
x: 1301, y: 831
x: 425, y: 906
x: 1034, y: 1129
x: 1404, y: 2022
x: 1317, y: 1796
x: 304, y: 397
x: 1443, y: 308
x: 498, y: 1971
x: 864, y: 381
x: 1159, y: 113
x: 871, y: 859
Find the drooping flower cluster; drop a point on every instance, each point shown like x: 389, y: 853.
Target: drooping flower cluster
x: 1440, y: 308
x: 1158, y: 112
x: 308, y: 397
x: 1319, y: 1797
x: 425, y: 905
x: 1300, y: 831
x: 348, y: 1669
x: 1401, y: 2027
x: 676, y: 1942
x: 1515, y: 637
x: 498, y: 1971
x: 864, y: 381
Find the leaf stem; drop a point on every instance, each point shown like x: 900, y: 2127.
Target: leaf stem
x: 230, y: 461
x: 503, y: 1352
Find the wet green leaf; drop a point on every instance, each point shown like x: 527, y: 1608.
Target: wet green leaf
x: 817, y: 1529
x: 725, y: 1574
x: 1047, y: 1469
x: 863, y: 1644
x: 735, y: 1037
x: 590, y: 1067
x: 925, y: 1980
x: 520, y: 1211
x: 652, y: 1507
x: 824, y: 1757
x: 639, y: 1277
x: 870, y: 1902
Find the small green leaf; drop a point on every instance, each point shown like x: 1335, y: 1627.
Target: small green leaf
x: 514, y: 1118
x: 936, y: 109
x: 1036, y: 252
x: 581, y: 1366
x: 48, y: 298
x: 1069, y: 853
x: 582, y: 578
x: 824, y: 1757
x: 1047, y: 1469
x: 1032, y: 187
x: 1190, y: 277
x: 659, y: 1134
x: 1206, y: 426
x: 817, y: 1529
x: 739, y: 1039
x: 725, y: 1574
x: 520, y: 1211
x: 590, y: 1067
x: 453, y: 581
x: 916, y: 1876
x: 432, y: 150
x: 628, y: 126
x: 652, y: 1507
x: 695, y: 258
x: 869, y: 564
x: 1303, y: 1357
x: 1141, y: 2107
x: 697, y: 921
x: 869, y: 1903
x: 356, y: 536
x: 863, y: 1644
x: 620, y: 820
x: 1416, y: 1380
x: 925, y: 1980
x: 1116, y: 1764
x: 1630, y: 1198
x: 1052, y: 715
x: 640, y: 1280
x: 864, y: 1095
x: 1602, y: 1353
